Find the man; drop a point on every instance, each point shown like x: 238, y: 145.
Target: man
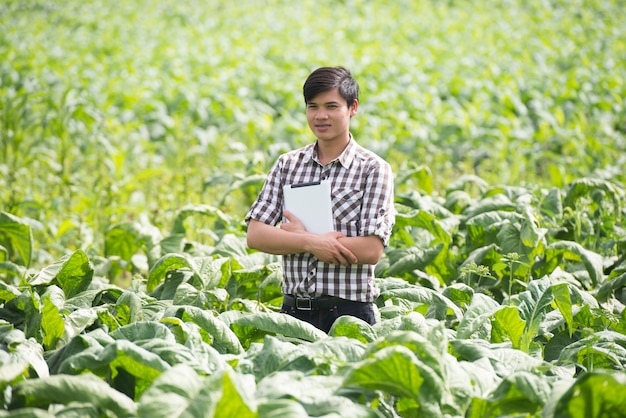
x: 332, y: 274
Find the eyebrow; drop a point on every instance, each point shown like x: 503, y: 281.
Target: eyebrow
x: 326, y: 103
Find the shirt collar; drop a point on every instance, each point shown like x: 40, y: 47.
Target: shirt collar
x: 345, y: 158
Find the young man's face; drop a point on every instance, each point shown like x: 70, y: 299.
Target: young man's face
x: 329, y: 116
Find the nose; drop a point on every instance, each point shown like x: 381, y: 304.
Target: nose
x: 321, y: 114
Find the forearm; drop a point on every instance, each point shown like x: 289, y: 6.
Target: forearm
x: 368, y: 249
x: 272, y: 240
x: 293, y: 239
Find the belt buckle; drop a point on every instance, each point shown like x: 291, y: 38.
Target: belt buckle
x: 304, y: 304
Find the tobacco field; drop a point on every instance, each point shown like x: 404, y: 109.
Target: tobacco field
x: 135, y: 135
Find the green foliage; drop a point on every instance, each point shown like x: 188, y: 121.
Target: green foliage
x: 16, y: 238
x: 477, y: 318
x: 139, y: 110
x: 134, y: 136
x: 594, y: 395
x: 85, y: 389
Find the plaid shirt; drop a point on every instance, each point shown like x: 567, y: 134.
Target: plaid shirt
x: 362, y: 200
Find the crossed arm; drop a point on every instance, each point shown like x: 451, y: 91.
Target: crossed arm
x: 332, y: 247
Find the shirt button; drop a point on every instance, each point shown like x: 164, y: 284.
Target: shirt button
x: 311, y: 273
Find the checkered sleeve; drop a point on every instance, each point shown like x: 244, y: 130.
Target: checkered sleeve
x: 377, y: 213
x: 268, y: 206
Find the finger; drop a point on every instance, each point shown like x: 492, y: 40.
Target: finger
x: 291, y: 217
x: 350, y: 257
x: 346, y: 258
x: 341, y: 260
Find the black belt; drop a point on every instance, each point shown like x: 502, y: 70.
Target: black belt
x: 312, y: 303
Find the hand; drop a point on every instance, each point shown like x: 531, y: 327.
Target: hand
x: 293, y: 224
x: 325, y: 247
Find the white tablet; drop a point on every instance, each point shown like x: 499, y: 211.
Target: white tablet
x: 311, y: 203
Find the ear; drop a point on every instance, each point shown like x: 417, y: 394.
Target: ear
x: 354, y: 107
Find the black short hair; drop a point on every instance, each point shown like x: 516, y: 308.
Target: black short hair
x: 328, y: 78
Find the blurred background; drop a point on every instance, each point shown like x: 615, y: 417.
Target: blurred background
x: 114, y: 111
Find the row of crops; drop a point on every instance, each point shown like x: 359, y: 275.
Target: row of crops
x: 489, y: 307
x: 135, y: 135
x: 114, y: 111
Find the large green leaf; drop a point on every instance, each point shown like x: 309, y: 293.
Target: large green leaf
x: 220, y: 219
x: 508, y: 326
x: 125, y: 239
x: 93, y: 341
x: 144, y: 330
x: 73, y: 273
x: 587, y: 186
x: 552, y: 204
x: 190, y: 348
x: 31, y: 412
x: 483, y: 229
x: 499, y: 203
x: 411, y: 321
x: 430, y: 352
x: 212, y: 272
x: 122, y: 354
x: 503, y: 359
x: 561, y: 252
x: 320, y: 395
x: 601, y: 350
x: 322, y: 357
x: 533, y: 304
x: 16, y: 234
x: 253, y: 180
x: 423, y: 177
x: 202, y: 272
x: 237, y: 397
x: 52, y: 322
x: 170, y: 393
x: 404, y: 261
x: 254, y: 325
x: 598, y: 394
x: 180, y: 392
x: 128, y: 308
x: 352, y: 327
x: 615, y: 284
x: 426, y: 220
x: 62, y: 389
x: 563, y: 301
x: 274, y: 355
x: 221, y: 336
x: 163, y: 266
x: 459, y: 293
x: 282, y: 408
x: 20, y: 356
x: 231, y: 245
x: 397, y: 371
x: 260, y: 282
x: 439, y: 306
x: 476, y: 322
x: 10, y: 269
x: 519, y: 393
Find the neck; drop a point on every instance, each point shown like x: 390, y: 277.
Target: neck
x: 328, y: 151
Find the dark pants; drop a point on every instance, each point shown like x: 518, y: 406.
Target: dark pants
x: 324, y: 318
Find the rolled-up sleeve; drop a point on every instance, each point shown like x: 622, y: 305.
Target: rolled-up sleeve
x: 268, y: 206
x: 378, y: 213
